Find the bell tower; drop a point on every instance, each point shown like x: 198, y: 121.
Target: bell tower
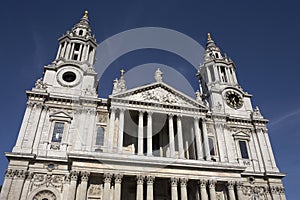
x: 72, y: 72
x: 219, y: 84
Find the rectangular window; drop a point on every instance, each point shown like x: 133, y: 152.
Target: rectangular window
x: 211, y: 146
x: 243, y: 149
x: 58, y: 132
x: 100, y: 136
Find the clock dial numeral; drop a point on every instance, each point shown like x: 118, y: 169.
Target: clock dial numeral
x: 233, y: 99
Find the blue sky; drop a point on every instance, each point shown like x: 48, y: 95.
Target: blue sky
x: 261, y: 37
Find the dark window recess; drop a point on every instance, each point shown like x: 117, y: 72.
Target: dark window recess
x: 58, y: 131
x: 211, y: 146
x: 69, y: 76
x: 76, y: 47
x: 80, y: 32
x: 243, y: 148
x: 100, y: 136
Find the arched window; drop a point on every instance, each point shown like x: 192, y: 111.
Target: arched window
x: 45, y: 195
x: 100, y: 136
x: 80, y: 32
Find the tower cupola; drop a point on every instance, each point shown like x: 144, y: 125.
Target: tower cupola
x: 78, y: 44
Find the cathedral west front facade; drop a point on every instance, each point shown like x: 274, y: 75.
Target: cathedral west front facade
x: 145, y: 143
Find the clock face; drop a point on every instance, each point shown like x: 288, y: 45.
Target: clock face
x: 234, y: 100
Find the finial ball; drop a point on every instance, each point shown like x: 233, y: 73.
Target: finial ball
x: 86, y: 14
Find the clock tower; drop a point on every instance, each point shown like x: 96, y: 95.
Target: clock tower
x: 221, y: 90
x: 235, y: 122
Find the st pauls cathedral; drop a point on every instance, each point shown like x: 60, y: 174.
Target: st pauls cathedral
x: 151, y: 142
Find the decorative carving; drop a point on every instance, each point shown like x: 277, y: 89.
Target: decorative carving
x: 95, y: 190
x: 55, y: 146
x: 85, y: 176
x: 140, y: 179
x: 158, y: 75
x: 21, y: 174
x: 183, y: 182
x: 118, y: 178
x: 74, y: 175
x: 150, y: 179
x: 174, y: 181
x: 254, y: 191
x: 239, y: 185
x: 48, y: 180
x: 103, y: 118
x: 230, y: 185
x: 40, y: 85
x: 107, y: 177
x: 212, y: 183
x: 203, y: 183
x: 45, y: 194
x: 9, y: 173
x: 198, y: 97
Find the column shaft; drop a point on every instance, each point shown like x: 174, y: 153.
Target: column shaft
x: 171, y: 137
x: 183, y: 191
x: 106, y: 189
x: 111, y: 130
x: 149, y: 134
x: 203, y: 191
x: 118, y: 180
x: 230, y: 187
x: 7, y: 184
x: 180, y: 138
x: 83, y: 186
x: 139, y: 187
x: 174, y: 193
x: 212, y: 190
x: 150, y: 180
x: 121, y: 130
x: 141, y: 134
x: 205, y: 140
x: 198, y: 139
x: 73, y: 184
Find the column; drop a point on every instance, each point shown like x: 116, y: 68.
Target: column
x: 180, y: 138
x: 17, y: 185
x: 275, y: 193
x: 171, y: 136
x: 139, y: 187
x: 183, y: 191
x: 212, y: 189
x: 266, y: 135
x: 72, y: 51
x: 174, y: 194
x: 203, y: 191
x: 83, y: 52
x: 150, y: 181
x: 107, y: 180
x: 141, y: 133
x: 9, y: 174
x: 198, y: 138
x: 26, y: 186
x: 121, y: 130
x: 230, y: 187
x: 282, y: 193
x: 239, y: 189
x: 87, y: 53
x: 24, y: 124
x: 83, y: 186
x: 73, y: 184
x: 67, y: 53
x: 205, y: 140
x: 58, y: 52
x: 118, y: 181
x: 111, y: 129
x: 149, y: 134
x: 39, y: 129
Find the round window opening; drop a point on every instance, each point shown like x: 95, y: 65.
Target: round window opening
x: 69, y: 77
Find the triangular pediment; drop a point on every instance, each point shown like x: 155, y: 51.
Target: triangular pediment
x: 158, y: 93
x: 60, y: 114
x: 241, y: 135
